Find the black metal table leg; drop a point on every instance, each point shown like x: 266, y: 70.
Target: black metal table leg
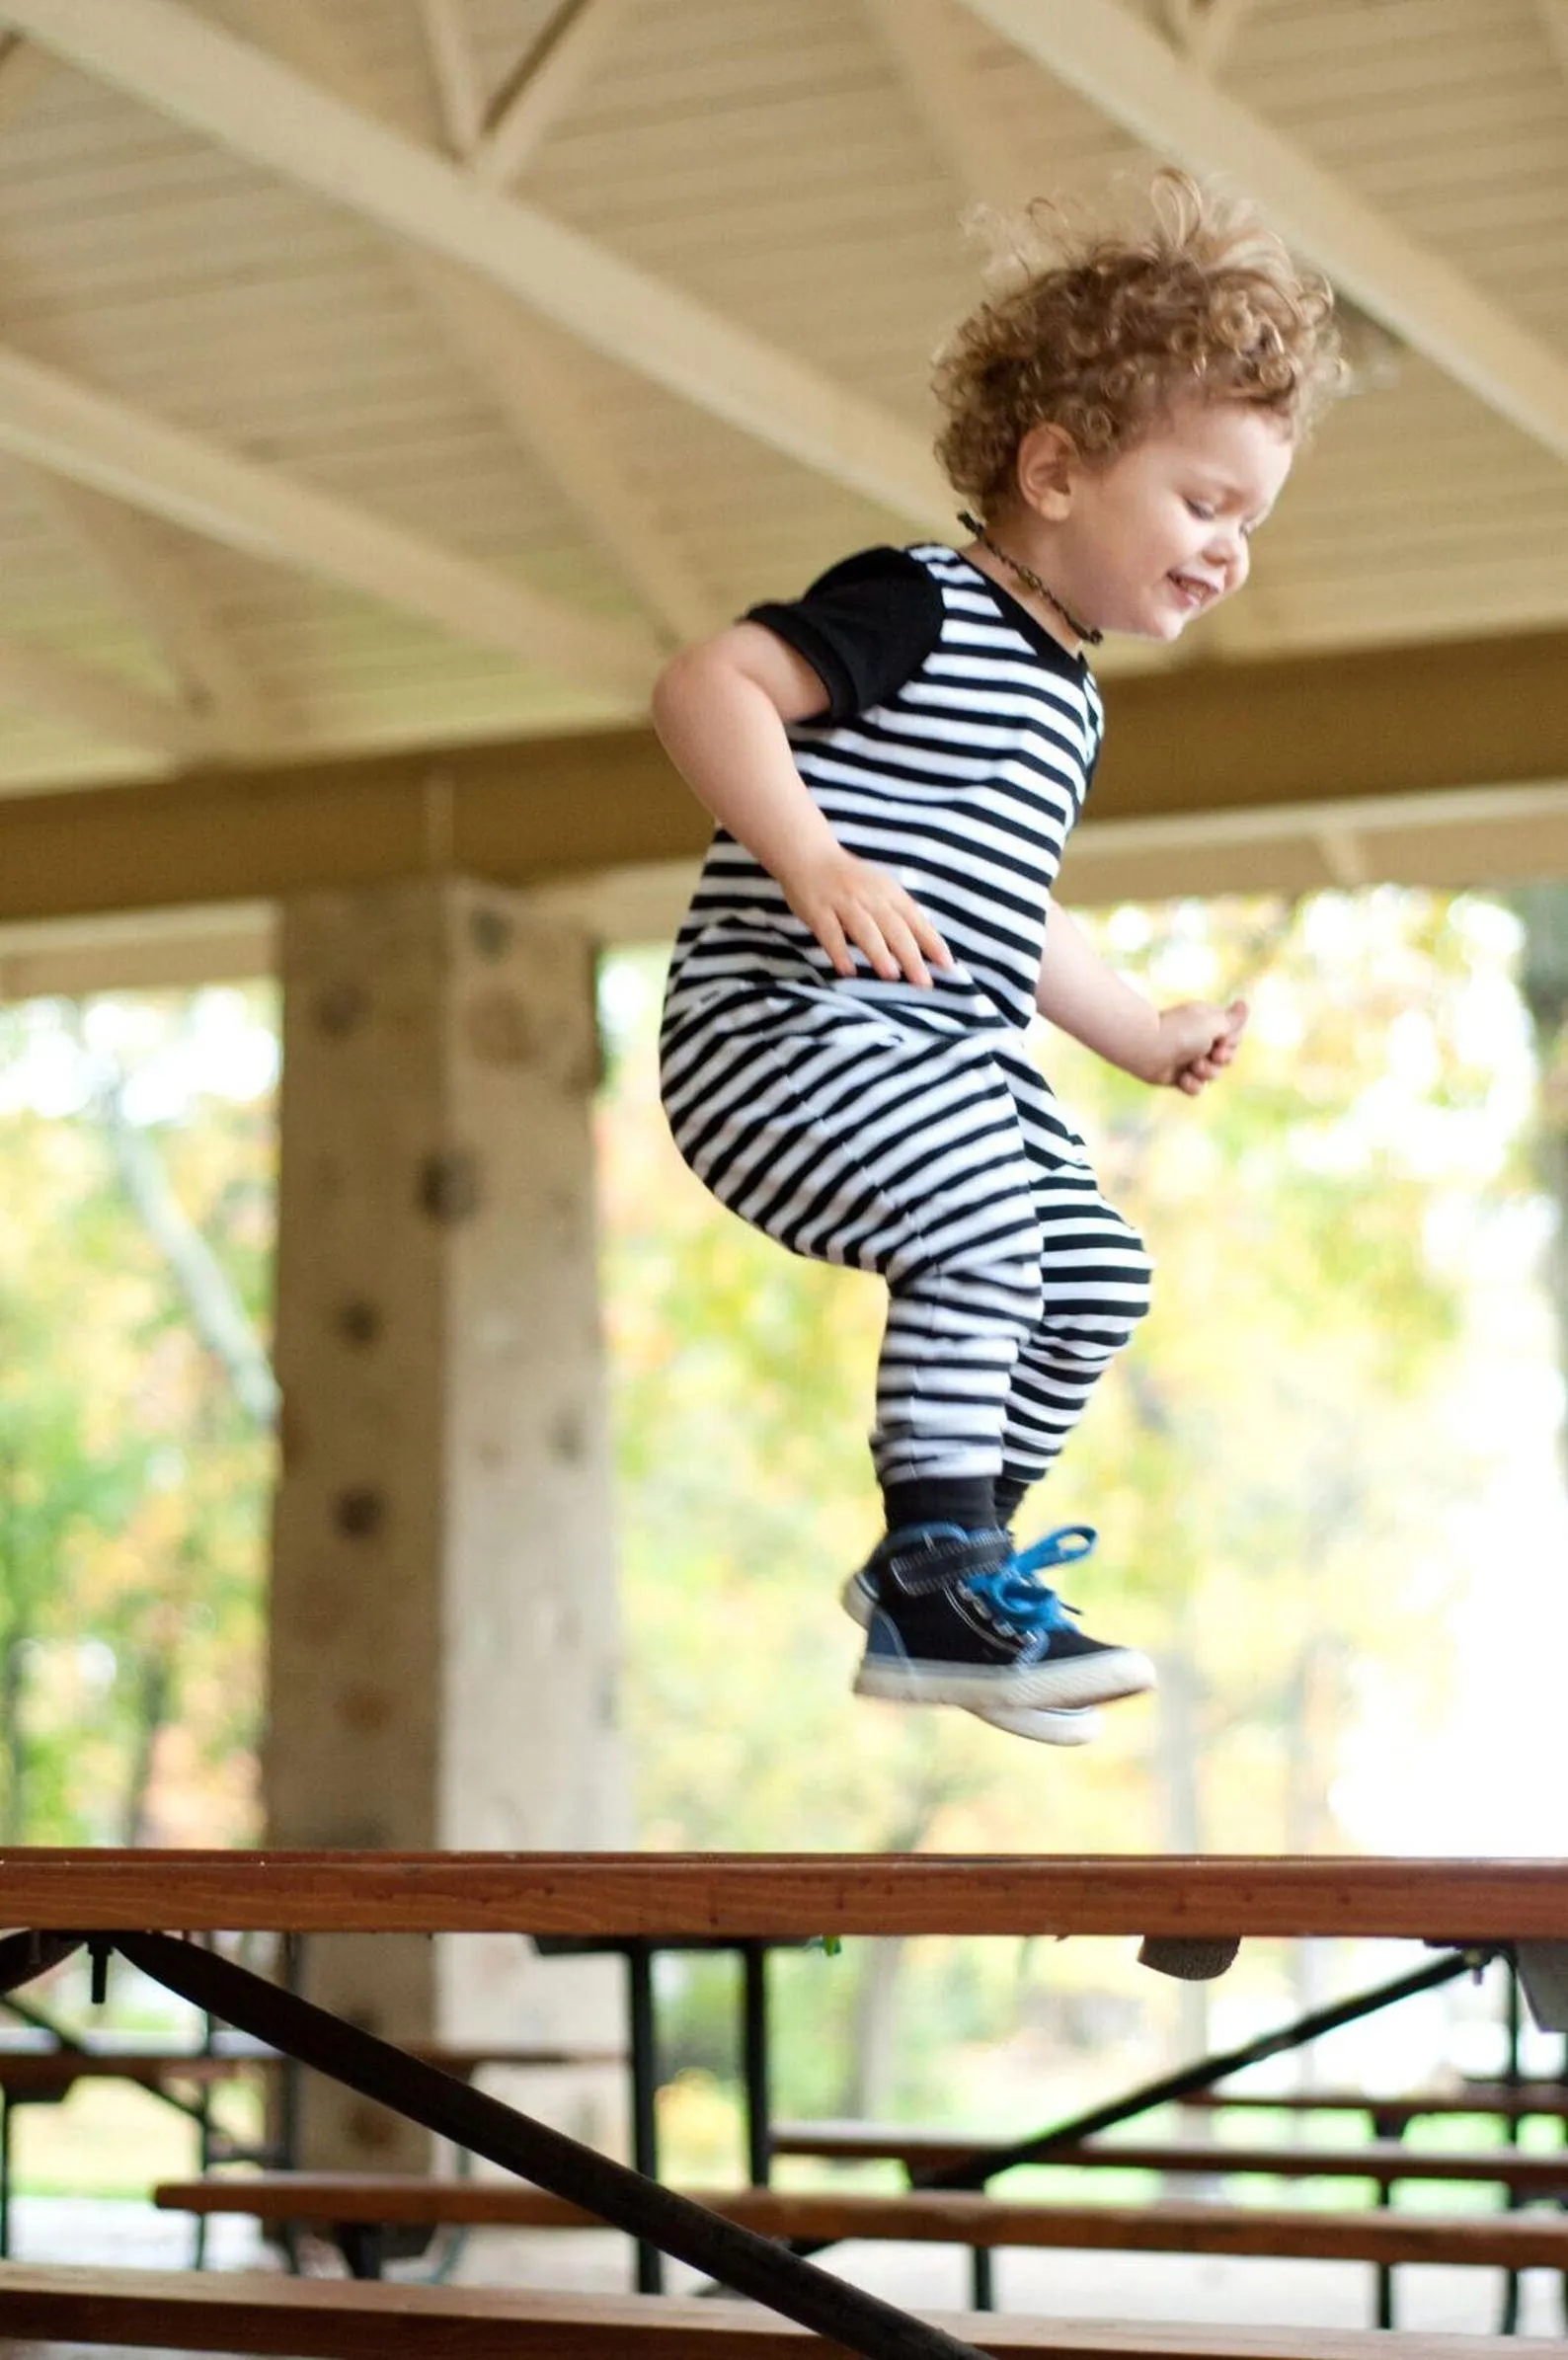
x: 755, y: 2267
x: 644, y: 2030
x: 21, y: 1956
x: 1385, y: 2269
x: 1508, y: 2316
x: 756, y: 2065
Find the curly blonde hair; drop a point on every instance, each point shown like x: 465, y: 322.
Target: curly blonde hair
x: 1099, y: 334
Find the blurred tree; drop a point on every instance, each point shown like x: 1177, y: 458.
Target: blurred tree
x: 133, y: 1469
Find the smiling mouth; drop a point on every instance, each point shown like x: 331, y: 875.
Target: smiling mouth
x: 1195, y: 591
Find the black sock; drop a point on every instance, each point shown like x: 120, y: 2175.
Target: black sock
x: 964, y: 1500
x: 1009, y: 1498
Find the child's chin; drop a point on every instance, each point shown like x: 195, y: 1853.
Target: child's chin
x: 1168, y: 625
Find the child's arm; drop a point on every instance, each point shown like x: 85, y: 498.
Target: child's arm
x: 719, y: 710
x: 1185, y: 1046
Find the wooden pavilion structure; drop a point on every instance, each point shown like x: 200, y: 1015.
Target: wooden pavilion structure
x: 386, y: 386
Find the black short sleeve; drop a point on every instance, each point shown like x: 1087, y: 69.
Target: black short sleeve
x: 865, y: 628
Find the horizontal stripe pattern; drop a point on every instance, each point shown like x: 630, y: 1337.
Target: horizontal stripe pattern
x: 942, y: 1162
x: 903, y: 1131
x: 964, y: 784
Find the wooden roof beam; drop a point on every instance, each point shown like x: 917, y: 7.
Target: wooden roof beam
x: 1116, y: 61
x: 453, y: 69
x: 524, y: 371
x: 54, y: 420
x: 188, y: 68
x: 144, y: 564
x: 927, y: 39
x: 1203, y: 30
x: 22, y: 65
x: 543, y: 86
x: 99, y: 702
x: 1444, y: 763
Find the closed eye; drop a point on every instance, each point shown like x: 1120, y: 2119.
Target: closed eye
x: 1204, y: 508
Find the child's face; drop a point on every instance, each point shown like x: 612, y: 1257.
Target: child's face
x: 1158, y: 534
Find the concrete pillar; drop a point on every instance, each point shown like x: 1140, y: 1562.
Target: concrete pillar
x: 443, y: 1638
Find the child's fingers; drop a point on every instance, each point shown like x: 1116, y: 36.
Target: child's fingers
x: 867, y: 931
x: 928, y: 936
x: 830, y: 934
x: 905, y: 948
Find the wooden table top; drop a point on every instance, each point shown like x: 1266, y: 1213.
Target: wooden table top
x: 783, y: 1895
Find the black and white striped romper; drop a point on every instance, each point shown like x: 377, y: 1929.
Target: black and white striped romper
x: 888, y: 1126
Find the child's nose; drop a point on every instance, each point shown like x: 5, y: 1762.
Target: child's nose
x: 1228, y: 547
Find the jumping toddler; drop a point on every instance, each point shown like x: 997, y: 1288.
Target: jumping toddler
x: 894, y: 762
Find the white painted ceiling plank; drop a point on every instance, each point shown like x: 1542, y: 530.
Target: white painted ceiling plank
x: 225, y: 712
x: 54, y: 420
x: 185, y: 67
x: 1113, y: 59
x: 1553, y: 15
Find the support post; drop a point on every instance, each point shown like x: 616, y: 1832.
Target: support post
x: 442, y: 1626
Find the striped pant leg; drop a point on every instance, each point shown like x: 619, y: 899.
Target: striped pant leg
x: 1095, y: 1284
x: 855, y: 1140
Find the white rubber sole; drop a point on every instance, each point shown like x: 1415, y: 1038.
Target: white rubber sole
x: 1074, y: 1725
x: 1041, y: 1687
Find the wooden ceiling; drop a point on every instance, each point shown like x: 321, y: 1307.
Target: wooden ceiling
x: 406, y: 375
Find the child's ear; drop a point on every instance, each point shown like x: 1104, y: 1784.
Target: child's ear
x: 1046, y: 471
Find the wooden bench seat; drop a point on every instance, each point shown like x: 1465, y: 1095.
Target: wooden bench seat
x: 1382, y: 2161
x: 43, y: 2072
x: 1498, y: 2241
x: 1508, y: 2101
x: 337, y: 2319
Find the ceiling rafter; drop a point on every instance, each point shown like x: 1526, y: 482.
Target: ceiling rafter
x: 22, y: 65
x: 152, y: 576
x: 529, y: 375
x: 57, y: 421
x: 226, y: 89
x: 1204, y: 29
x: 1121, y: 66
x: 926, y: 41
x: 453, y: 69
x: 543, y: 85
x: 99, y: 702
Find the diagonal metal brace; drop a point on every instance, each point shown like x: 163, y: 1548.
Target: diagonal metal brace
x: 752, y: 2266
x: 978, y: 2169
x: 1173, y: 2088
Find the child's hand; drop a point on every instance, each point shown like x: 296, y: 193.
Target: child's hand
x: 1197, y: 1042
x: 847, y: 900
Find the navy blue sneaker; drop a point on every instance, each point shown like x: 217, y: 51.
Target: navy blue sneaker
x: 958, y: 1618
x: 1076, y: 1727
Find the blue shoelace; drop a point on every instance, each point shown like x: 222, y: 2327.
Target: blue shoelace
x: 1016, y: 1593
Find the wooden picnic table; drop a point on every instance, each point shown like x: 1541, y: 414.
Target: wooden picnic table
x: 785, y: 1895
x: 129, y: 1901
